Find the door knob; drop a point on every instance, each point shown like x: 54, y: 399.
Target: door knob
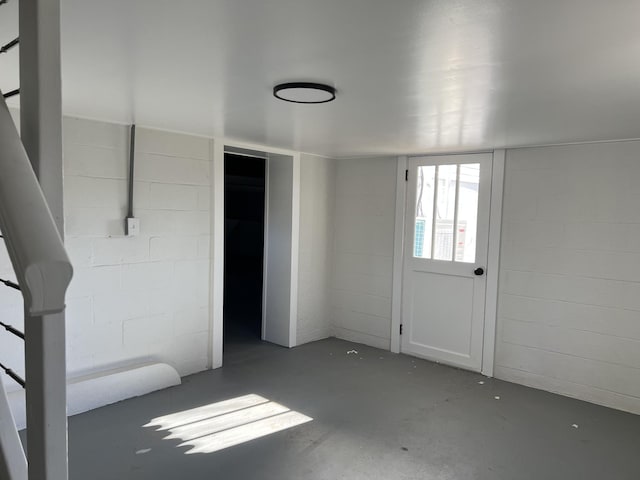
x: 479, y: 271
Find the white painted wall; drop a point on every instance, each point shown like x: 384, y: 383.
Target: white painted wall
x: 569, y: 294
x: 145, y: 299
x: 145, y: 296
x: 363, y: 250
x: 569, y: 301
x: 136, y: 299
x: 317, y: 204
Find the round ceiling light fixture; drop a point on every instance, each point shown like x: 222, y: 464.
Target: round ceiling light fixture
x: 304, y: 92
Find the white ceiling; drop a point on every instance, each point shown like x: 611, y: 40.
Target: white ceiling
x: 413, y: 76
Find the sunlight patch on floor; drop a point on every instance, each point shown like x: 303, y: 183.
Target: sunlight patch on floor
x: 221, y: 425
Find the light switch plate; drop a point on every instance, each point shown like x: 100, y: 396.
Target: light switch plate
x: 132, y: 227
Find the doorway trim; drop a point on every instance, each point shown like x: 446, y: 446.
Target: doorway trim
x: 493, y: 259
x: 398, y: 253
x: 216, y: 304
x: 493, y: 262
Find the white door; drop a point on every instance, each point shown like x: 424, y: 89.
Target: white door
x: 447, y: 229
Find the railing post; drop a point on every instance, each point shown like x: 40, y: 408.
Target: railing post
x: 43, y: 272
x: 46, y: 397
x: 41, y: 98
x: 41, y: 131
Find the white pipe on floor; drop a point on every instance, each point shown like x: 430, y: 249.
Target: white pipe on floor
x: 94, y: 391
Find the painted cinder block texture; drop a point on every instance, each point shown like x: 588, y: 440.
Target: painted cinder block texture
x: 148, y: 295
x: 363, y: 250
x: 317, y: 212
x: 569, y: 301
x: 132, y: 299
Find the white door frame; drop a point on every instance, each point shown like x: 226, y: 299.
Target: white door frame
x: 287, y: 336
x: 216, y: 304
x: 493, y: 263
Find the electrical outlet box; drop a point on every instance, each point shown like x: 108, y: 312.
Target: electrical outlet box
x: 132, y: 227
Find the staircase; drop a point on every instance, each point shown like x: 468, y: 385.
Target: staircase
x: 42, y: 268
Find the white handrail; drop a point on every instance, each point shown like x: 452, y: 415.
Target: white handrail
x: 35, y: 248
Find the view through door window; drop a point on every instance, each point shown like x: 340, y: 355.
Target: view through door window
x: 447, y: 212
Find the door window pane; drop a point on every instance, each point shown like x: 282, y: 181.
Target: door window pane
x: 467, y: 225
x: 424, y: 211
x: 446, y: 214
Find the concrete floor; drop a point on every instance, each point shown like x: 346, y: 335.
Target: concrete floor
x: 376, y: 416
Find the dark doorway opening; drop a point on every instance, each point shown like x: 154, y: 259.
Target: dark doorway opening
x: 244, y: 210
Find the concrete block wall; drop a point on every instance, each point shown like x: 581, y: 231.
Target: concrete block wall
x: 569, y: 317
x: 569, y: 296
x: 569, y: 300
x: 146, y: 298
x: 140, y: 297
x: 317, y: 210
x: 132, y: 299
x: 363, y: 250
